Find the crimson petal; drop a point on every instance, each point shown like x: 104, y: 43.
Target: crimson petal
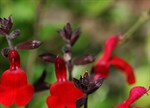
x: 60, y: 69
x: 110, y: 45
x: 101, y: 70
x: 135, y: 94
x: 63, y: 94
x: 7, y: 97
x: 19, y: 96
x: 24, y: 95
x: 52, y: 102
x: 122, y: 65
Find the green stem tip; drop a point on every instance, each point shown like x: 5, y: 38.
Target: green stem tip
x: 142, y: 19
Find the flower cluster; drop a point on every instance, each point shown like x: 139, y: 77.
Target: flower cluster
x: 65, y: 92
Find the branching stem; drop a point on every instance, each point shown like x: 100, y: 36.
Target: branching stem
x: 9, y: 42
x: 142, y: 19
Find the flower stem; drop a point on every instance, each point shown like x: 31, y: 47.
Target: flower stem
x: 9, y: 42
x: 68, y: 59
x: 86, y: 101
x: 70, y: 68
x: 142, y: 19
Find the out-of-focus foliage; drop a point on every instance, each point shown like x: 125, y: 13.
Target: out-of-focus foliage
x: 98, y: 19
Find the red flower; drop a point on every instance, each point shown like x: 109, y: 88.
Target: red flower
x: 13, y: 86
x: 101, y: 68
x: 64, y: 94
x: 135, y: 94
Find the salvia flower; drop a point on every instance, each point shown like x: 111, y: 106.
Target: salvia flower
x: 101, y: 69
x: 14, y: 88
x: 63, y: 92
x: 135, y: 94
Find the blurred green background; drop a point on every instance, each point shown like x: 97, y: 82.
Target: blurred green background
x: 98, y: 19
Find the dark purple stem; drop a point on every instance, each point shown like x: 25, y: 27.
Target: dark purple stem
x: 70, y: 67
x: 86, y: 101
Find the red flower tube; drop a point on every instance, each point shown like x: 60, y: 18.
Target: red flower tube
x: 101, y: 68
x: 64, y: 94
x: 14, y: 88
x: 134, y: 95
